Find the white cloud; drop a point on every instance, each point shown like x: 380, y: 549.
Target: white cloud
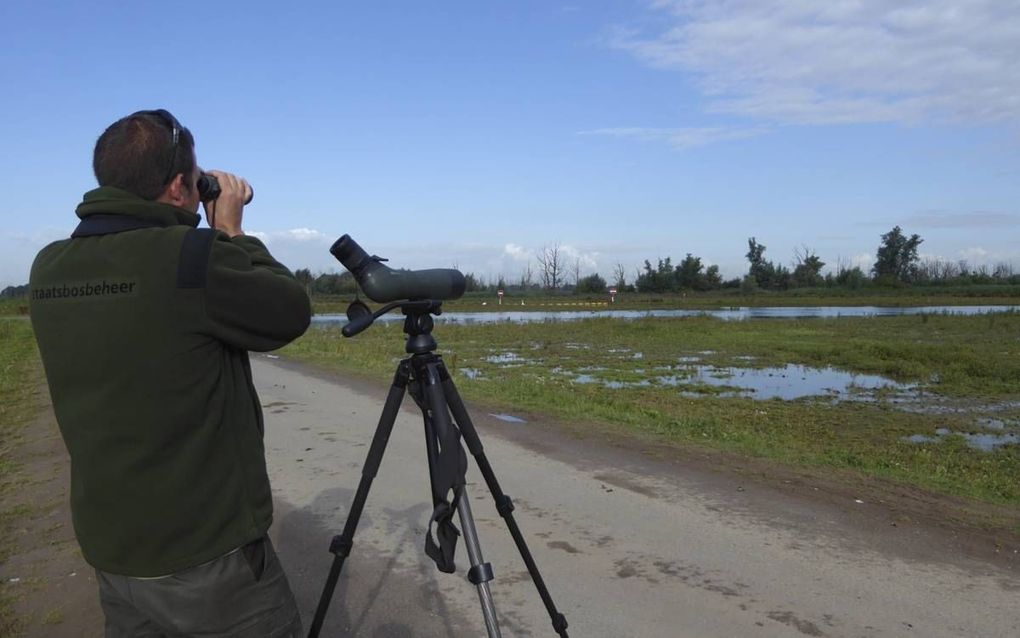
x: 681, y: 138
x: 974, y: 253
x: 300, y: 248
x: 587, y: 260
x: 518, y: 253
x: 299, y: 235
x: 842, y: 61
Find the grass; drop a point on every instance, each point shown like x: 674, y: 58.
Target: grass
x: 13, y: 307
x: 19, y: 375
x: 970, y: 361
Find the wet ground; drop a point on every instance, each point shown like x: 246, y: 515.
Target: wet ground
x: 990, y: 424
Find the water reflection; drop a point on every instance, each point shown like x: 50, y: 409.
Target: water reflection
x: 509, y: 418
x: 728, y: 314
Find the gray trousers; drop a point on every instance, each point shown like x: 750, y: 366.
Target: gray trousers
x: 244, y: 593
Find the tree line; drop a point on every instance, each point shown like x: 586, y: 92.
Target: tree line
x: 897, y: 263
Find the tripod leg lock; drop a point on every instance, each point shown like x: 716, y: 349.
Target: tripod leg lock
x: 481, y: 573
x: 560, y: 624
x: 504, y: 506
x: 340, y: 546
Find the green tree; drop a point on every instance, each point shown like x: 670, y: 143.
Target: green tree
x: 808, y: 271
x: 689, y: 275
x: 472, y: 283
x: 851, y: 277
x: 334, y: 284
x: 304, y: 275
x: 765, y: 273
x: 897, y: 256
x: 756, y: 257
x: 659, y: 279
x: 713, y: 280
x: 592, y: 283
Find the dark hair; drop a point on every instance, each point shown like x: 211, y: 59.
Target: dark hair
x: 137, y: 154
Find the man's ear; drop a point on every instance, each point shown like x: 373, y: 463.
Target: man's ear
x: 176, y: 191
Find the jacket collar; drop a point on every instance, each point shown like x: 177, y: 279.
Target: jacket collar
x: 108, y: 200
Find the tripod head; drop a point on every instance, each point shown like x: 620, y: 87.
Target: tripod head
x: 418, y: 321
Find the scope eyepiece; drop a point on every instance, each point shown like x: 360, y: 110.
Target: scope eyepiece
x: 383, y: 284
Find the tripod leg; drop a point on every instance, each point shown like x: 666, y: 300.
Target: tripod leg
x: 341, y: 545
x: 481, y: 572
x: 504, y: 505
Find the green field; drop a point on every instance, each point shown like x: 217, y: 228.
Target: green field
x: 19, y: 376
x: 961, y: 369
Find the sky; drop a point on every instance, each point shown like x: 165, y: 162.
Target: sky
x: 473, y: 134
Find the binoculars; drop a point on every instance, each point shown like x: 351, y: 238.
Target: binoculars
x: 209, y: 189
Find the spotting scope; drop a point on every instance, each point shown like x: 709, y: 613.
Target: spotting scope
x: 383, y: 284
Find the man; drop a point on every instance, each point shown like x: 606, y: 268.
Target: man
x: 144, y: 322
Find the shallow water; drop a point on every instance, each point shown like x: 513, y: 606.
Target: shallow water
x: 979, y: 441
x: 729, y: 314
x: 509, y: 418
x: 787, y: 382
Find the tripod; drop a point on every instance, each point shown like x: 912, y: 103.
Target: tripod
x: 425, y: 376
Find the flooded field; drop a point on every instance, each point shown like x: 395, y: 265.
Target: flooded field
x: 924, y: 396
x: 690, y: 377
x: 728, y: 314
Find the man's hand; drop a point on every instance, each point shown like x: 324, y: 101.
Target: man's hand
x: 225, y: 212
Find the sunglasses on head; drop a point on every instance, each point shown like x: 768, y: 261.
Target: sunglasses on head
x: 175, y: 128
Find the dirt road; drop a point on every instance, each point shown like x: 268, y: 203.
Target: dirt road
x: 634, y: 540
x: 629, y: 544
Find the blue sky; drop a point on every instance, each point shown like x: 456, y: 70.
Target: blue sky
x: 472, y: 134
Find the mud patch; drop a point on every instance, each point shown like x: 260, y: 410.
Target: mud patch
x: 627, y: 483
x: 805, y: 627
x: 565, y: 546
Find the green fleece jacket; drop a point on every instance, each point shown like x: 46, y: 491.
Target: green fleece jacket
x: 144, y: 336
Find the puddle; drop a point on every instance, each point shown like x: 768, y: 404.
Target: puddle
x: 508, y: 359
x: 472, y: 373
x: 788, y: 383
x: 978, y: 441
x: 997, y: 424
x: 509, y: 418
x: 615, y: 385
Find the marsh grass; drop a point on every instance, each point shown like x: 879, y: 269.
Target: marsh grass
x: 970, y: 360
